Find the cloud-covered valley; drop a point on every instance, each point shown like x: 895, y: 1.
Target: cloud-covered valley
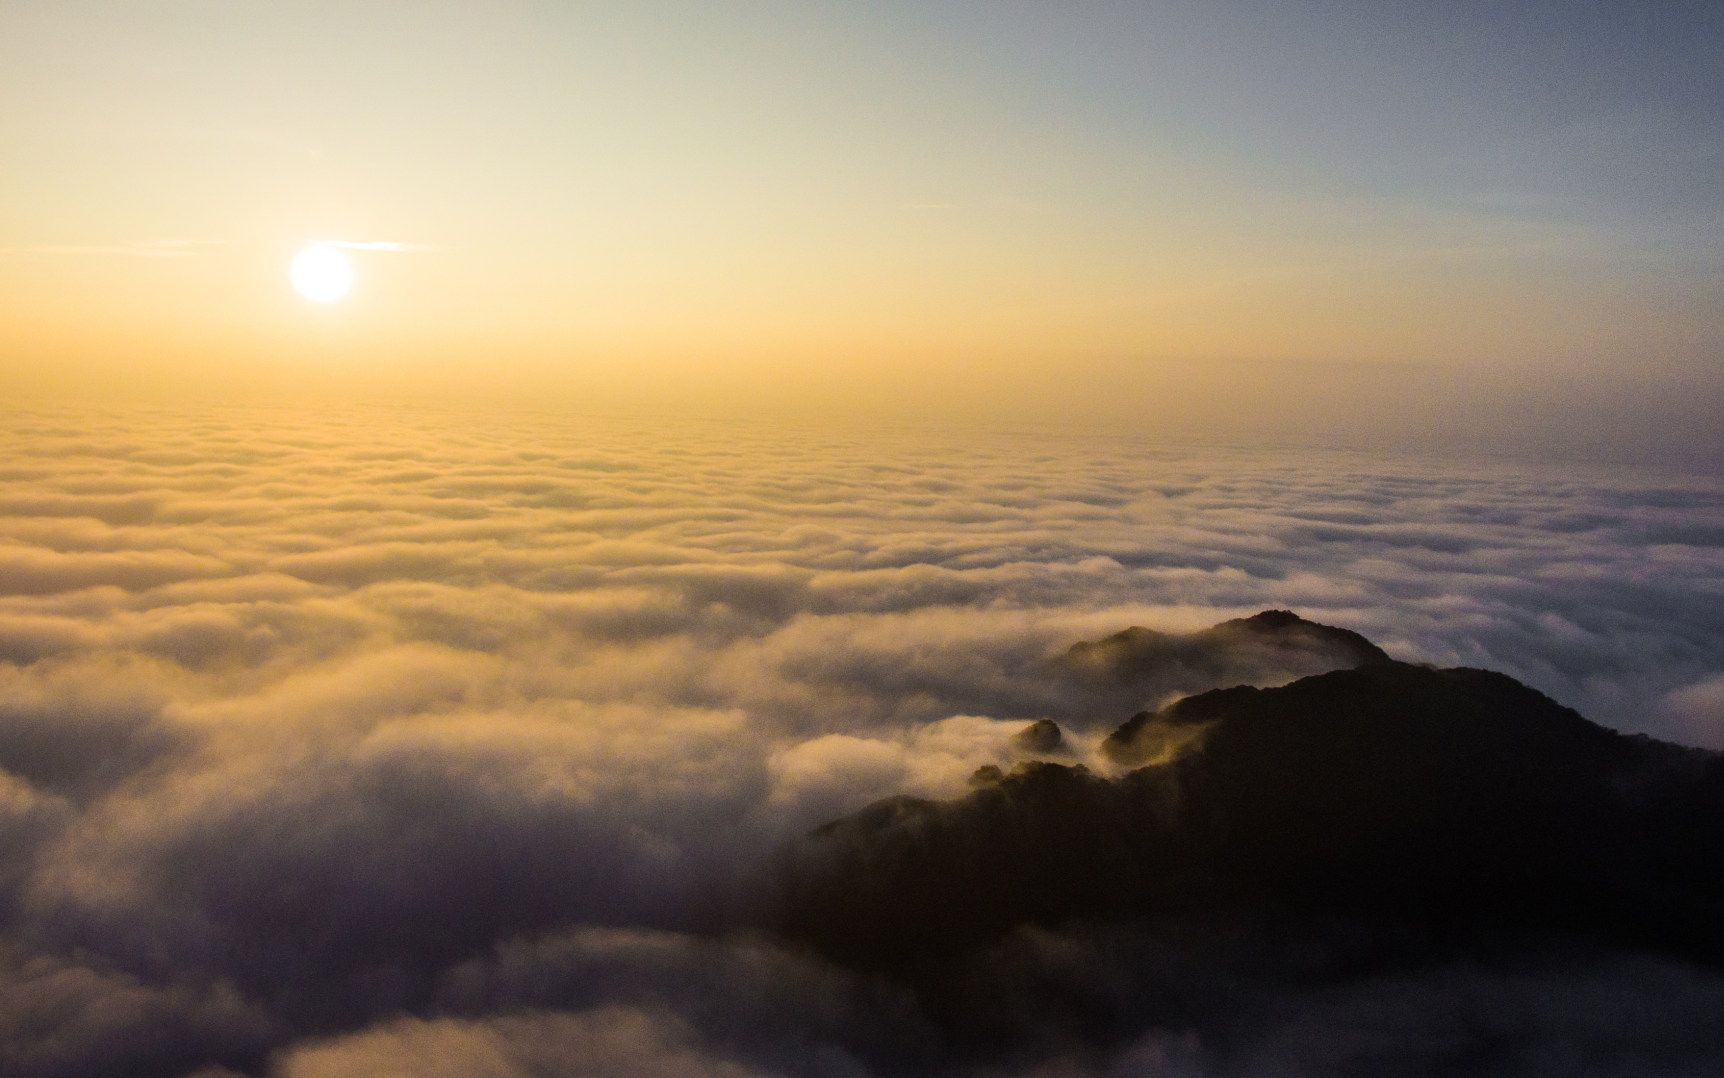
x: 337, y: 743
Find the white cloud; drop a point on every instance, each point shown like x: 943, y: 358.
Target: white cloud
x: 376, y: 696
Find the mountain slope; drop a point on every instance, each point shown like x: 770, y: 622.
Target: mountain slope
x: 1458, y: 804
x: 1138, y: 666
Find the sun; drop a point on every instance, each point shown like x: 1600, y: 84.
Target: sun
x: 321, y: 273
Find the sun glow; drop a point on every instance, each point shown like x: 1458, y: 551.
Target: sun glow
x: 321, y: 273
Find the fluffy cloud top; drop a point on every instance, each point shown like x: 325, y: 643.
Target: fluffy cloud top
x: 309, y: 724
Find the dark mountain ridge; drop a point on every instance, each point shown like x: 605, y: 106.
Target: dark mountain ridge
x: 1135, y: 667
x: 1459, y: 806
x: 1243, y: 645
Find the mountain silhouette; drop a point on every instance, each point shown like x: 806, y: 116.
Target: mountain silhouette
x: 1137, y: 666
x: 1245, y: 644
x: 1458, y: 807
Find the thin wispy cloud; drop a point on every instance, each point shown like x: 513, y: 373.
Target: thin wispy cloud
x: 393, y: 246
x: 157, y: 248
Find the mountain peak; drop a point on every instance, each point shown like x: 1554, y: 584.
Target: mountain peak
x: 1276, y: 619
x: 1139, y: 665
x: 1459, y: 799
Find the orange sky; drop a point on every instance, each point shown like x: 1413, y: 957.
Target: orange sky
x: 1088, y: 214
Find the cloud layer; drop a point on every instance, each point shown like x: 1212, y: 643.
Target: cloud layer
x: 331, y: 738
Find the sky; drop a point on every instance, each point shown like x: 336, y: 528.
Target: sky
x: 1323, y: 220
x: 738, y: 413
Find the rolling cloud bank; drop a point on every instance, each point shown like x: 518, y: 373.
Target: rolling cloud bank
x: 415, y: 744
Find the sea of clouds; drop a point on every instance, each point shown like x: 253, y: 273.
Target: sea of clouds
x: 335, y: 742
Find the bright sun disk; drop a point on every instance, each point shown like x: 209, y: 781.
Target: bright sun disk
x: 321, y: 273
